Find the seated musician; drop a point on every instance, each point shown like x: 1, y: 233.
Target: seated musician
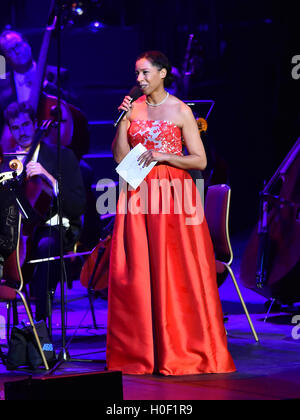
x: 18, y: 82
x: 8, y: 223
x: 46, y: 240
x: 17, y: 87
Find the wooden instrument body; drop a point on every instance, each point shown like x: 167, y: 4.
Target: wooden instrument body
x: 94, y: 273
x: 282, y: 245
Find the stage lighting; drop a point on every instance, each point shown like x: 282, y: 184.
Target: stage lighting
x: 79, y: 11
x: 77, y: 8
x: 96, y: 26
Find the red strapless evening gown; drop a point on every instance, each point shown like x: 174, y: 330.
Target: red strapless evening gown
x: 164, y: 310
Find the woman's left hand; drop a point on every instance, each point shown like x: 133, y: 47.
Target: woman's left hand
x: 151, y: 156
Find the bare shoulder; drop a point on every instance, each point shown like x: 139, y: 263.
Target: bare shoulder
x: 183, y: 111
x: 139, y: 103
x: 186, y: 111
x: 180, y: 105
x: 138, y: 108
x: 140, y: 100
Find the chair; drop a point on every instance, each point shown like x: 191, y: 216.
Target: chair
x: 12, y: 274
x: 217, y: 205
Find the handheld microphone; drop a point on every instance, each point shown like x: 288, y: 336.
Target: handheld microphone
x: 135, y: 93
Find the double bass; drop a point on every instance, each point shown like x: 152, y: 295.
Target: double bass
x: 271, y: 262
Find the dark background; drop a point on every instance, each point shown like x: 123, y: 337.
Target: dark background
x: 242, y: 60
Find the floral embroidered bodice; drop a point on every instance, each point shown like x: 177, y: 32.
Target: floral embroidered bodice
x: 162, y: 136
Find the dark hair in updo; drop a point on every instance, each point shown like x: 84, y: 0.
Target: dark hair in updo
x: 159, y: 60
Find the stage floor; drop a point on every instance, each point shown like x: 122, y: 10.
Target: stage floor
x: 268, y: 370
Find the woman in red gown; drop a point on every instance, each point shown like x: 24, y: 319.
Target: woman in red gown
x: 164, y: 310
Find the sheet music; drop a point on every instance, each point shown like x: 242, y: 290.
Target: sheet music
x: 130, y: 170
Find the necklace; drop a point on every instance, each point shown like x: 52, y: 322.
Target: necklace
x: 160, y: 103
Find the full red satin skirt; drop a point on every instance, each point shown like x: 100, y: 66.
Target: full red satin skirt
x: 164, y: 310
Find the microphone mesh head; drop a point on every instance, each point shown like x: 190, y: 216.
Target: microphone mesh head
x: 135, y: 93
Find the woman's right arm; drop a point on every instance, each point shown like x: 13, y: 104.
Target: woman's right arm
x: 120, y: 145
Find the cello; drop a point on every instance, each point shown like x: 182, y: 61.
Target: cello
x: 271, y: 262
x: 94, y: 273
x: 33, y: 196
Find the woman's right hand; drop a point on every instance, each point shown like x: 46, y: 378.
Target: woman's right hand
x: 126, y: 105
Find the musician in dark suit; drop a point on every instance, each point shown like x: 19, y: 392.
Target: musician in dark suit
x: 8, y: 223
x: 46, y: 240
x: 17, y: 84
x: 17, y: 87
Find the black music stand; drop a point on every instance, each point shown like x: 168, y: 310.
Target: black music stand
x: 64, y: 355
x: 201, y: 107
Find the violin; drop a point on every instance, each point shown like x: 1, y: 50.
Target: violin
x: 202, y: 125
x: 17, y: 168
